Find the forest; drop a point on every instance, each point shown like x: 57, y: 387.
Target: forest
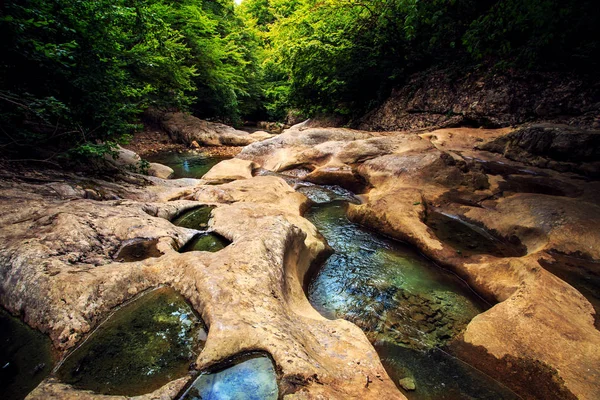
x: 77, y: 75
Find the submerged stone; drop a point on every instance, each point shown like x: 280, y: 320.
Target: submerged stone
x: 326, y: 194
x: 187, y: 164
x: 141, y: 347
x: 407, y: 383
x: 25, y: 357
x: 196, y: 218
x: 469, y: 239
x: 206, y: 242
x: 408, y: 307
x: 437, y: 375
x: 137, y: 249
x: 385, y: 287
x: 249, y: 378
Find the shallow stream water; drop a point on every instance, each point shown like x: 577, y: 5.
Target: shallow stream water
x: 408, y: 307
x: 246, y: 378
x: 188, y: 164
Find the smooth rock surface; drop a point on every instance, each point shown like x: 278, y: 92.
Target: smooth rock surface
x: 230, y: 170
x: 185, y: 128
x: 249, y: 293
x: 539, y: 319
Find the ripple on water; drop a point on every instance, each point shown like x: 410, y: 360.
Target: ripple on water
x: 142, y: 346
x: 249, y: 378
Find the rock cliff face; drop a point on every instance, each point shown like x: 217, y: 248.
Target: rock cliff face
x: 542, y: 329
x: 559, y: 147
x: 448, y: 98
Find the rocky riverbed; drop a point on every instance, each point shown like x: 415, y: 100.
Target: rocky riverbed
x: 61, y: 233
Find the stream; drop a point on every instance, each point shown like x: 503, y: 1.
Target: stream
x: 408, y: 307
x: 187, y: 164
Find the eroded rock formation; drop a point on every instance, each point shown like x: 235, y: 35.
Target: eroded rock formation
x: 539, y: 318
x: 60, y: 275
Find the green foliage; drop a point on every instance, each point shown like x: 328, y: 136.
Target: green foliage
x: 76, y: 75
x: 344, y: 56
x: 537, y: 32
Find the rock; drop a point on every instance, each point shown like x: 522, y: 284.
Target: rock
x: 188, y: 129
x: 538, y: 319
x: 125, y: 158
x: 408, y: 383
x: 450, y: 97
x: 63, y: 249
x: 160, y: 171
x: 558, y: 147
x: 230, y: 170
x: 194, y: 145
x: 294, y: 117
x: 273, y: 127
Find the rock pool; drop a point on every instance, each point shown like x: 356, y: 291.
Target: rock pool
x: 248, y: 378
x: 142, y: 346
x: 25, y: 357
x: 408, y: 307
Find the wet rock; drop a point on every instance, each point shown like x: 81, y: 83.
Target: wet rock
x: 408, y: 383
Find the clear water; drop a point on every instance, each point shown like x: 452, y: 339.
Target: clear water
x: 196, y: 218
x: 25, y: 357
x: 249, y: 378
x: 408, y: 307
x: 438, y: 375
x: 188, y: 164
x: 206, y: 242
x: 141, y: 347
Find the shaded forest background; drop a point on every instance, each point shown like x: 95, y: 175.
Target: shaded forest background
x: 77, y: 75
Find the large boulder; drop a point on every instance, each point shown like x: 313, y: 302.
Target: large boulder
x: 185, y: 128
x: 132, y: 161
